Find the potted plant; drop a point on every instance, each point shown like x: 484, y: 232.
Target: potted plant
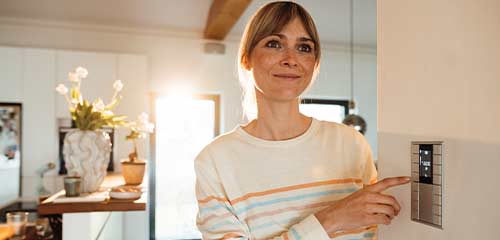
x: 86, y: 149
x: 134, y: 167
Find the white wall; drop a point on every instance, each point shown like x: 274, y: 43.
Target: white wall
x: 177, y: 60
x: 438, y: 79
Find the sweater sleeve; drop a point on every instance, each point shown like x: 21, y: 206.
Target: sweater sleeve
x: 370, y: 171
x: 217, y: 219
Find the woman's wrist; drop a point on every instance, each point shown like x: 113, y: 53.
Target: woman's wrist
x: 327, y: 222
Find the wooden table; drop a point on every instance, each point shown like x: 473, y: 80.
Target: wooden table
x: 81, y: 215
x: 48, y: 207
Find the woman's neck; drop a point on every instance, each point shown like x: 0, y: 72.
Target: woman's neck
x: 278, y: 120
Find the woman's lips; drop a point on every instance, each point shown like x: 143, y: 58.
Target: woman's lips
x: 287, y: 76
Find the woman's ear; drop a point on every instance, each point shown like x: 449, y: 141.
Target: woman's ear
x: 245, y: 63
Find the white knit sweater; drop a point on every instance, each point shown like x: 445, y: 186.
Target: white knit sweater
x: 250, y: 188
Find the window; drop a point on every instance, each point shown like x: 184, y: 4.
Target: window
x: 183, y: 127
x: 324, y: 109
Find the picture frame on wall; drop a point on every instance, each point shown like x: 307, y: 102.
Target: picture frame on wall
x: 10, y: 150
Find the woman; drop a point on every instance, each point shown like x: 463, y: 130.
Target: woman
x: 285, y: 175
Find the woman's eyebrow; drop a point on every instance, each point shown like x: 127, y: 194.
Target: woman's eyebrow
x: 281, y: 36
x: 300, y: 39
x: 305, y: 39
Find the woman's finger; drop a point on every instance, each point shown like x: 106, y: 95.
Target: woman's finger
x: 380, y: 198
x: 387, y: 183
x: 378, y: 219
x: 373, y: 208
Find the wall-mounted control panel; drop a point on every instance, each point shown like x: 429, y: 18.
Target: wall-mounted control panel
x: 427, y: 182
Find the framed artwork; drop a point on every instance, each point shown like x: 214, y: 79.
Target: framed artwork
x: 10, y: 150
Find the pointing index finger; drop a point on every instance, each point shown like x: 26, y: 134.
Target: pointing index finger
x: 387, y: 183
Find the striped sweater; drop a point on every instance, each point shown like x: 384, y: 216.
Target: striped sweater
x: 250, y: 188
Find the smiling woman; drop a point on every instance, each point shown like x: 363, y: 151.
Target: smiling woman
x: 285, y: 175
x: 282, y: 64
x: 278, y: 31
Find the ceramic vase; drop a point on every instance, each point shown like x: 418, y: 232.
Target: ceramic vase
x: 87, y: 155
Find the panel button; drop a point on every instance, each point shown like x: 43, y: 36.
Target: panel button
x: 437, y: 159
x: 436, y: 220
x: 436, y: 180
x: 436, y: 190
x: 414, y: 167
x: 414, y: 158
x: 436, y: 199
x: 414, y: 176
x: 414, y: 148
x: 437, y: 169
x: 437, y: 149
x: 436, y: 209
x: 414, y: 213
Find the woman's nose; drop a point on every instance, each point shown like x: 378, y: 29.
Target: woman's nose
x: 289, y: 58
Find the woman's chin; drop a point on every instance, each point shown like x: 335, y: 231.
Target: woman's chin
x: 284, y: 97
x: 279, y: 95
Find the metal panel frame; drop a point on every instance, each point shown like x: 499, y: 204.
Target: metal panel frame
x: 435, y: 189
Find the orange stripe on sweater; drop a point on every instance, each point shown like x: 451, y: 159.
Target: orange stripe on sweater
x: 295, y: 187
x: 229, y: 214
x: 207, y: 199
x: 354, y: 231
x: 231, y: 235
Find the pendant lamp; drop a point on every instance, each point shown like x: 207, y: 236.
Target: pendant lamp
x: 353, y: 120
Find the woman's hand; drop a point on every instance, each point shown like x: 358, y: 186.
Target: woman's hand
x: 367, y: 206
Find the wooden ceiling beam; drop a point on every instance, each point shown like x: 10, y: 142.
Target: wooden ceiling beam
x: 222, y: 17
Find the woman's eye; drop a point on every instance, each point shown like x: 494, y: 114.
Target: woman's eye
x: 273, y: 44
x: 305, y: 48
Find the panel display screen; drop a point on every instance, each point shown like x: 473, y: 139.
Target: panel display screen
x: 425, y: 163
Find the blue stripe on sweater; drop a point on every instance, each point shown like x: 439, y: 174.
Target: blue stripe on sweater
x: 295, y: 234
x: 369, y: 235
x: 295, y: 198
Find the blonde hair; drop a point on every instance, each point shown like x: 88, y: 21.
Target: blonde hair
x: 270, y: 19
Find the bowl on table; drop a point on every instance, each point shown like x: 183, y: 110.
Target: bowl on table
x: 125, y: 192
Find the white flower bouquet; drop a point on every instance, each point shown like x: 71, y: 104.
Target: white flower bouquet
x: 90, y: 116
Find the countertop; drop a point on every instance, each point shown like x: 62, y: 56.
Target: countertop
x: 48, y: 207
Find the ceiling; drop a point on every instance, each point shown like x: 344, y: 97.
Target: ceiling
x: 331, y: 16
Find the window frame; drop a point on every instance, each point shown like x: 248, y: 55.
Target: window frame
x: 344, y: 103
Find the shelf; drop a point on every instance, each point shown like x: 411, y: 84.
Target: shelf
x: 48, y: 207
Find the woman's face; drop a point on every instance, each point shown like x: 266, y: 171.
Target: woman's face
x: 283, y: 64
